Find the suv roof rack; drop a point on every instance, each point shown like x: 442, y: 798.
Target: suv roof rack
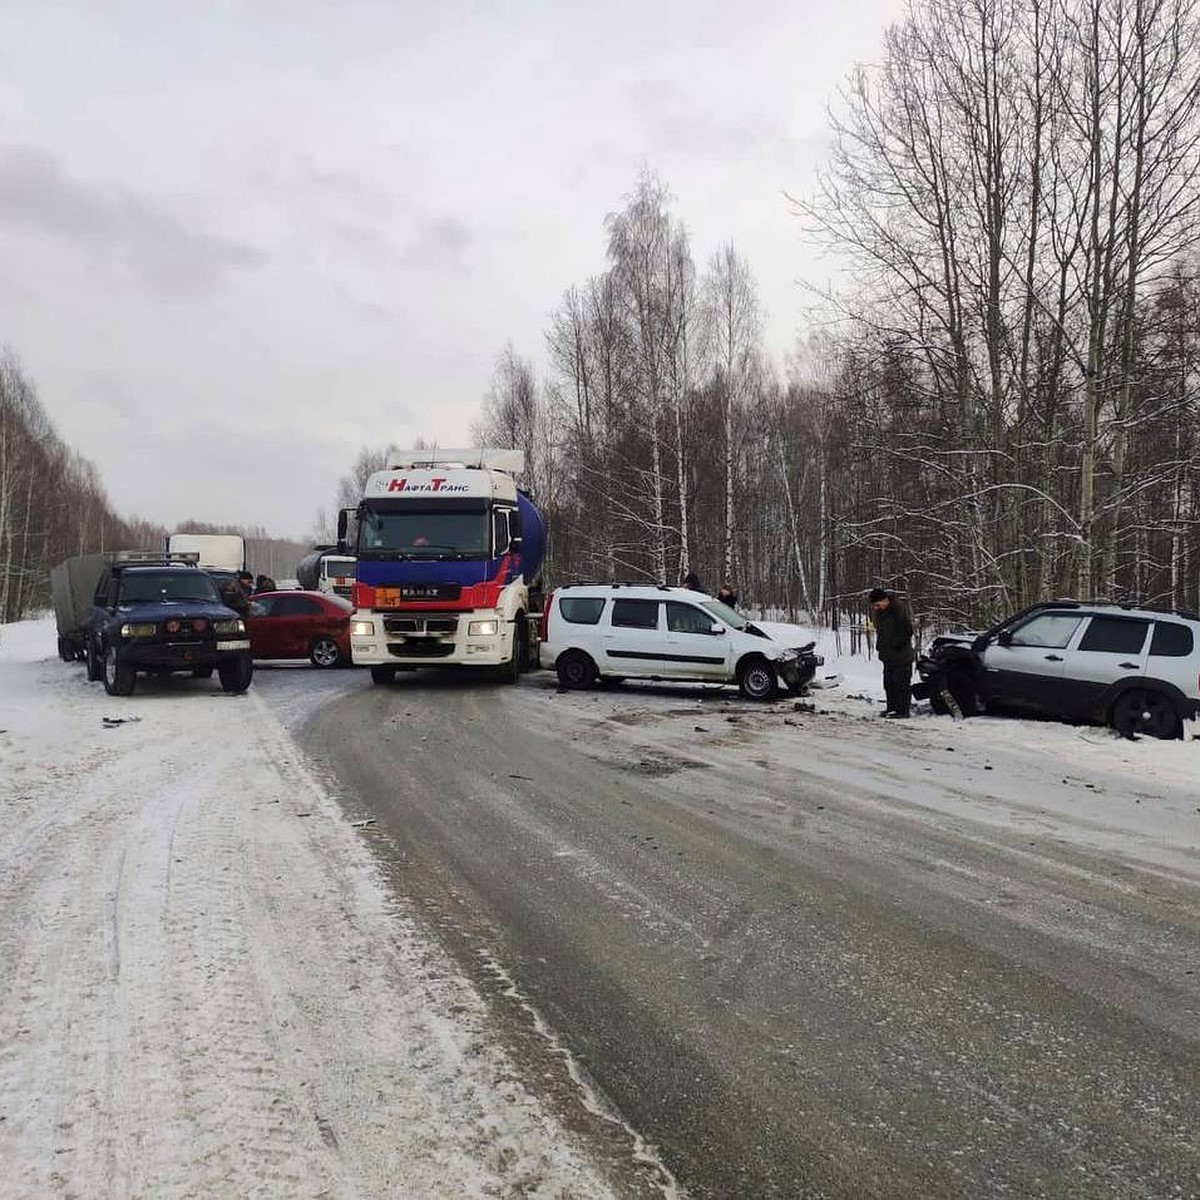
x: 145, y: 558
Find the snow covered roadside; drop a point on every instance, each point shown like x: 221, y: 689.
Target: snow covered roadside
x: 204, y: 988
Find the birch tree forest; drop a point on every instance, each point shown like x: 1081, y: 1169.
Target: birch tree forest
x: 1002, y: 405
x: 52, y: 504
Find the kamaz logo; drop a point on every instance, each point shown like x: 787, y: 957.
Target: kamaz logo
x: 433, y: 485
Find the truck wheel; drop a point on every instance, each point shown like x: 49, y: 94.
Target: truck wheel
x: 235, y: 673
x: 94, y: 660
x: 510, y: 672
x: 757, y: 679
x: 119, y: 676
x: 575, y: 670
x: 383, y: 673
x: 324, y: 652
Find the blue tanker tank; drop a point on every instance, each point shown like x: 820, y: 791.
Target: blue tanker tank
x: 533, y: 538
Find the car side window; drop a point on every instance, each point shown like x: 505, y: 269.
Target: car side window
x: 1115, y: 635
x: 295, y: 606
x: 263, y: 608
x: 581, y: 610
x: 1051, y: 631
x: 686, y: 618
x: 635, y: 614
x: 1171, y: 640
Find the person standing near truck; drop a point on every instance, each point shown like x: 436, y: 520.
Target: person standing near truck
x: 894, y: 645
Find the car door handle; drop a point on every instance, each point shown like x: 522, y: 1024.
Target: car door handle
x: 1054, y: 658
x: 1129, y: 666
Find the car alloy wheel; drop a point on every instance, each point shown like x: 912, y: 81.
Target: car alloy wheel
x: 325, y: 653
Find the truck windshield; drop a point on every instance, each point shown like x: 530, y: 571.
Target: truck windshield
x: 148, y: 586
x: 336, y: 568
x: 423, y: 534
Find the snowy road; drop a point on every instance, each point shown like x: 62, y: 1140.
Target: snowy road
x: 590, y: 944
x: 812, y: 953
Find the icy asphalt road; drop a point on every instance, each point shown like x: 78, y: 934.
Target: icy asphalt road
x: 805, y: 953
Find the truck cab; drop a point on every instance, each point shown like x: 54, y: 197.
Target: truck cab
x: 446, y: 545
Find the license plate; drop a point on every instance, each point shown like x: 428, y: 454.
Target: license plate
x: 233, y: 645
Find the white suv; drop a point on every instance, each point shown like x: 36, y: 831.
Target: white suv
x: 1136, y: 669
x: 616, y: 631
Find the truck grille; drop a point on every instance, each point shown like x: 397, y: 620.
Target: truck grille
x: 420, y: 648
x: 442, y: 626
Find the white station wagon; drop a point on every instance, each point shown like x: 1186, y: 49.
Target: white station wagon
x: 616, y: 631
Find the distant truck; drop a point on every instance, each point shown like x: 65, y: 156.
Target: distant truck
x: 325, y: 570
x: 222, y: 555
x: 448, y: 552
x: 72, y: 587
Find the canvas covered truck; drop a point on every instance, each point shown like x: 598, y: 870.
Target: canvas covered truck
x: 448, y: 553
x: 72, y: 586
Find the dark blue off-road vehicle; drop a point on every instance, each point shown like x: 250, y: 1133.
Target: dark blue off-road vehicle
x: 160, y: 614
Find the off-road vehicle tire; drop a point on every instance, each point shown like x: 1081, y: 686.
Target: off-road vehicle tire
x: 1145, y: 711
x: 236, y: 673
x: 119, y: 676
x: 94, y: 660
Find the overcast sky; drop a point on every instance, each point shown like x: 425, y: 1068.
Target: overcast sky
x: 238, y: 242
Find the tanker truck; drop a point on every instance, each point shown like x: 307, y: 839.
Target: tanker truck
x: 448, y: 551
x: 323, y: 569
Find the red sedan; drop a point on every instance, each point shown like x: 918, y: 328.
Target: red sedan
x: 308, y: 625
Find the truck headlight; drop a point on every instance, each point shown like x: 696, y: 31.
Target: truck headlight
x: 362, y: 628
x: 137, y: 629
x: 483, y: 628
x: 227, y: 627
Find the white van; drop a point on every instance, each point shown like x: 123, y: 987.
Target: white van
x: 619, y: 631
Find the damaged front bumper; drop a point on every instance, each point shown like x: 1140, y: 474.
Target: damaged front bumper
x: 797, y: 666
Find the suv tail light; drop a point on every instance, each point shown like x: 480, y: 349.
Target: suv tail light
x: 544, y: 623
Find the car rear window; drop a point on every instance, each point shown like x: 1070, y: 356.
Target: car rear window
x: 1115, y: 635
x: 296, y: 606
x: 581, y: 610
x: 1171, y: 640
x: 635, y: 614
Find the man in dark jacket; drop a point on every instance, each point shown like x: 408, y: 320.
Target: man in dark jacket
x: 894, y: 645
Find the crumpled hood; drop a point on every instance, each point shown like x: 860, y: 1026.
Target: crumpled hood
x: 786, y: 634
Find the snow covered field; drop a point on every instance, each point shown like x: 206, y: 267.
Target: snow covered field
x: 206, y: 990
